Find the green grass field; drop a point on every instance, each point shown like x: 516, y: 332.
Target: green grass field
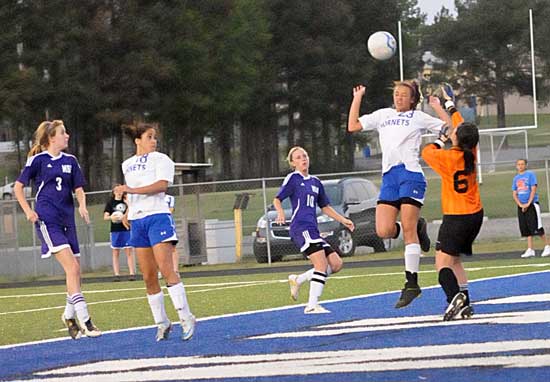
x: 33, y: 313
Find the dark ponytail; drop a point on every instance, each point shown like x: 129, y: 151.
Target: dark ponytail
x: 138, y: 129
x: 468, y: 138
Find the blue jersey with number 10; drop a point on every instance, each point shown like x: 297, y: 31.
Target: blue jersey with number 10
x: 55, y: 178
x: 305, y: 193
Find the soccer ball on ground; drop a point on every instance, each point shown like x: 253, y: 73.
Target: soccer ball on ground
x: 381, y: 45
x: 116, y: 216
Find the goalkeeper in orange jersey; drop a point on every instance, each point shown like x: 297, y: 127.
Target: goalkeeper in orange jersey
x: 461, y: 205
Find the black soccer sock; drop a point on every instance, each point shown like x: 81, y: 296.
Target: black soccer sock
x: 412, y: 278
x: 464, y: 289
x: 448, y: 282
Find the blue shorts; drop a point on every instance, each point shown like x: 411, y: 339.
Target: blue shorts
x: 306, y: 237
x: 120, y: 239
x: 153, y: 229
x: 399, y: 183
x: 55, y: 237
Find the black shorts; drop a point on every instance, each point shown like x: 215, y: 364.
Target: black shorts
x: 530, y: 221
x: 315, y: 247
x: 458, y: 232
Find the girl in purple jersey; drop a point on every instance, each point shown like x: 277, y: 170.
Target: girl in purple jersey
x: 56, y: 175
x: 306, y: 192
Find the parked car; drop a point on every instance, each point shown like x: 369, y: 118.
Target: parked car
x: 7, y: 191
x: 352, y: 197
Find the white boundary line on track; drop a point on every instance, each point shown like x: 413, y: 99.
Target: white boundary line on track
x: 239, y: 284
x: 281, y: 307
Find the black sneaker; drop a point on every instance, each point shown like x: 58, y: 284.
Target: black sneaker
x: 132, y: 278
x: 466, y: 312
x: 116, y: 279
x: 408, y: 294
x: 455, y: 306
x: 72, y: 327
x: 422, y: 231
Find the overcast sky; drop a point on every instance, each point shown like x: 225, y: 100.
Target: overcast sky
x: 432, y: 7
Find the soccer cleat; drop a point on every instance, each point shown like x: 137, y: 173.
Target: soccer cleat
x: 455, y: 306
x: 546, y: 251
x: 116, y: 278
x: 422, y: 231
x: 294, y: 287
x: 72, y: 327
x: 466, y: 312
x: 132, y: 278
x: 163, y: 330
x: 408, y: 294
x: 528, y: 253
x: 188, y: 327
x: 317, y: 309
x: 89, y: 329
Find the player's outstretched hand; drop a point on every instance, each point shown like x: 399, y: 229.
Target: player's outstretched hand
x: 280, y: 219
x: 359, y: 91
x: 349, y: 224
x: 32, y: 216
x: 84, y: 214
x: 434, y: 102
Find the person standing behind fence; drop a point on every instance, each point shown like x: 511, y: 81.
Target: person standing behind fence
x: 56, y: 175
x: 461, y: 206
x: 403, y: 182
x: 306, y: 192
x: 114, y: 211
x: 524, y: 192
x: 153, y: 234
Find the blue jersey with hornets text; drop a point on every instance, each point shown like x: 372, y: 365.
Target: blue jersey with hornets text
x: 305, y: 193
x: 55, y: 178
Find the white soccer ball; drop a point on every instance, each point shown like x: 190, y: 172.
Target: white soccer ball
x: 116, y: 216
x: 381, y: 45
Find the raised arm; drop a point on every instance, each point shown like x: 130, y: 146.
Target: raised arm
x: 353, y: 116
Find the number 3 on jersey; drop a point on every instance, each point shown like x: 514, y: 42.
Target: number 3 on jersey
x: 58, y: 180
x: 310, y: 201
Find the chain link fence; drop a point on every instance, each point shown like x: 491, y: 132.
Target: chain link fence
x: 225, y: 222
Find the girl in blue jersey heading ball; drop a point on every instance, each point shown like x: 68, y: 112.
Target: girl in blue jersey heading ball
x: 306, y: 193
x: 56, y: 175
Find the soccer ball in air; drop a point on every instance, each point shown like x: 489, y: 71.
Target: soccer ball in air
x: 381, y: 45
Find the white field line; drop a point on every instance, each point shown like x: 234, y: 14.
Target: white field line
x: 252, y: 283
x: 237, y: 284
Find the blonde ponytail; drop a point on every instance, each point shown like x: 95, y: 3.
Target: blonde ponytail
x: 42, y: 136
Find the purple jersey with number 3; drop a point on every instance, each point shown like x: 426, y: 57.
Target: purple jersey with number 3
x: 55, y: 178
x: 305, y: 193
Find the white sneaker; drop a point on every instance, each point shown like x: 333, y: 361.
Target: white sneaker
x: 317, y: 309
x: 528, y: 253
x: 163, y: 330
x: 294, y: 287
x: 159, y: 275
x: 188, y: 327
x: 89, y: 329
x: 546, y: 251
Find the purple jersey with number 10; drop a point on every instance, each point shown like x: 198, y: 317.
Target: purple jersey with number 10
x: 305, y: 193
x: 55, y: 178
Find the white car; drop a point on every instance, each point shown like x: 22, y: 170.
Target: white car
x: 7, y: 191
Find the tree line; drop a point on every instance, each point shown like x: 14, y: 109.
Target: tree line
x: 245, y: 74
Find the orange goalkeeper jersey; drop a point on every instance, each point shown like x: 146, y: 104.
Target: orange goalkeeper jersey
x: 459, y: 191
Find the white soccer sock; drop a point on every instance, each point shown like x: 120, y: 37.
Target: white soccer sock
x: 307, y: 275
x: 412, y: 257
x: 69, y: 308
x: 179, y: 299
x: 80, y: 307
x: 463, y: 287
x: 316, y: 288
x: 156, y: 302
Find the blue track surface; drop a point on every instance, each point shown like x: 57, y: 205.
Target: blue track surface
x: 505, y: 340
